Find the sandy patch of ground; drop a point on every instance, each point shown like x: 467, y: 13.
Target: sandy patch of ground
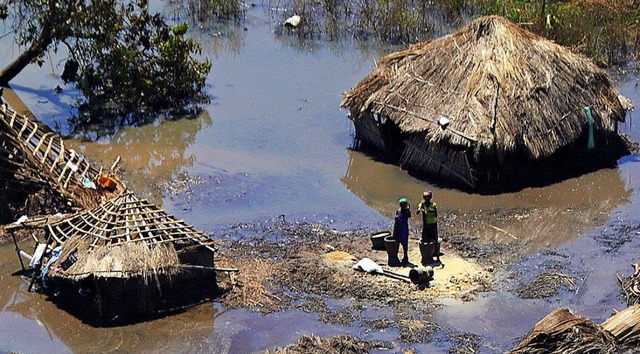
x: 340, y: 256
x: 453, y: 276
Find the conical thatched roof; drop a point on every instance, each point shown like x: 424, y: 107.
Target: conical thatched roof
x: 500, y: 86
x: 124, y: 237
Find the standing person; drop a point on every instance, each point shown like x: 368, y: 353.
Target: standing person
x: 401, y: 228
x: 429, y: 212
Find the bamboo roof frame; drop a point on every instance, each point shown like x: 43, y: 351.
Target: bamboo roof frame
x: 502, y: 88
x: 49, y: 161
x: 14, y: 166
x: 123, y: 229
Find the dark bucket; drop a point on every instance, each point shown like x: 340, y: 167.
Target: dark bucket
x: 392, y: 245
x: 427, y: 250
x: 377, y: 240
x: 436, y: 252
x: 420, y: 275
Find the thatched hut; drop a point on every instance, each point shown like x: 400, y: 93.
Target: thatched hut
x: 564, y: 332
x: 126, y: 256
x: 485, y: 105
x: 34, y: 161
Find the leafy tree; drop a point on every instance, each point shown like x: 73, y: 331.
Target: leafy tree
x: 129, y: 64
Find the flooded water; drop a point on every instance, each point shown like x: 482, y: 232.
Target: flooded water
x: 274, y: 142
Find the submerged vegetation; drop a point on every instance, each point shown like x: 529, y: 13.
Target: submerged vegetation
x: 394, y: 21
x: 209, y: 11
x: 607, y: 31
x: 150, y: 69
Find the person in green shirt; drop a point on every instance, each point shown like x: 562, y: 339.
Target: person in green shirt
x: 429, y: 211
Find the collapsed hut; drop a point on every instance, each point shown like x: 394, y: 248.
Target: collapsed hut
x: 630, y: 286
x: 490, y: 105
x: 40, y: 175
x: 114, y: 257
x: 562, y: 331
x: 124, y: 258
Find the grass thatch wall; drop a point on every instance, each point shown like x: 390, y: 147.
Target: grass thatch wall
x: 368, y: 131
x: 122, y: 260
x: 437, y: 161
x: 119, y: 301
x: 561, y: 331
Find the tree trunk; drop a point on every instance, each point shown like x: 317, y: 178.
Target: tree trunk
x: 25, y: 58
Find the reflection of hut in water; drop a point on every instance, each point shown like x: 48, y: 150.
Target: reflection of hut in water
x: 126, y: 257
x: 485, y: 105
x: 36, y: 166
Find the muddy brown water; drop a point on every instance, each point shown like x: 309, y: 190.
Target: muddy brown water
x: 273, y: 143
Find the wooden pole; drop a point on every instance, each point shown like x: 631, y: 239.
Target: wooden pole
x: 15, y: 242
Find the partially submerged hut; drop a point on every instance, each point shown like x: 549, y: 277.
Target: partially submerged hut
x: 126, y: 257
x: 562, y: 331
x: 34, y: 160
x: 483, y: 106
